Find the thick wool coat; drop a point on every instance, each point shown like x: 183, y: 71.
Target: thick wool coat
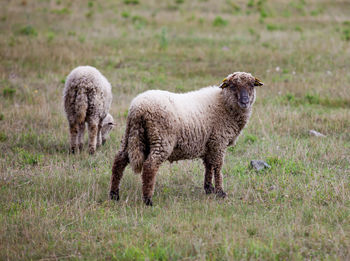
x: 87, y: 99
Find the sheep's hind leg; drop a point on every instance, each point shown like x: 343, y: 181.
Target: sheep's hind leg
x: 120, y: 162
x: 73, y: 128
x: 149, y: 172
x: 93, y: 130
x: 81, y: 136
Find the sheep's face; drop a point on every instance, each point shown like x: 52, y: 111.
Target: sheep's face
x: 107, y: 126
x: 241, y: 87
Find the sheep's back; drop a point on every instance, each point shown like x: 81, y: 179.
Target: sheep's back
x: 87, y: 80
x: 187, y: 117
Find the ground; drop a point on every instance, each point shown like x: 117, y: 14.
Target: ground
x: 54, y: 205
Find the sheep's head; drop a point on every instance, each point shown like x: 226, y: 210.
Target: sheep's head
x: 241, y: 87
x: 107, y: 126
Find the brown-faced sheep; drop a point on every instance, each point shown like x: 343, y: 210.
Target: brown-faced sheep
x: 87, y: 99
x: 201, y: 124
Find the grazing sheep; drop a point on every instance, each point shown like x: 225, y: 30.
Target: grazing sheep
x: 87, y: 99
x: 201, y: 124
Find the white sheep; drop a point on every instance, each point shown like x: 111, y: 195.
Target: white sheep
x: 87, y: 99
x: 166, y: 126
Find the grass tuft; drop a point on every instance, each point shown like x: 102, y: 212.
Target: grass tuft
x: 28, y: 158
x: 274, y: 27
x: 28, y: 30
x: 250, y: 138
x: 62, y: 11
x: 8, y: 92
x: 131, y: 2
x: 125, y: 14
x: 3, y: 137
x: 163, y: 39
x: 50, y: 36
x: 219, y: 22
x: 314, y: 99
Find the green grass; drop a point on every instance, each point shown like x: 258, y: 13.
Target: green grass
x: 28, y: 30
x: 8, y: 92
x: 54, y: 205
x: 219, y: 21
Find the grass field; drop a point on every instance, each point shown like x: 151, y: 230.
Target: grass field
x: 54, y: 205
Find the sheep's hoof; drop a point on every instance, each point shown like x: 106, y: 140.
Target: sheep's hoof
x: 148, y: 202
x: 91, y: 151
x: 221, y: 194
x: 80, y: 147
x: 209, y: 188
x: 114, y: 195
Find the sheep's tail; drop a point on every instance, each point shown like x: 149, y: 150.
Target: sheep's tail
x: 136, y: 143
x: 81, y: 105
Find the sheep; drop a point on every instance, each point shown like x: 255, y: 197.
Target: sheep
x: 201, y: 124
x: 87, y: 99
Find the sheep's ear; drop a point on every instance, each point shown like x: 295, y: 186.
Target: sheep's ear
x: 224, y: 84
x: 258, y: 82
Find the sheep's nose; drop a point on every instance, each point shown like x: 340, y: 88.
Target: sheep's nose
x: 244, y: 99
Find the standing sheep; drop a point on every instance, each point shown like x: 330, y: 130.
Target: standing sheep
x: 87, y: 99
x: 201, y: 124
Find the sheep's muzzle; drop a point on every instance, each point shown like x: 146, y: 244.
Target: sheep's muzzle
x: 243, y: 99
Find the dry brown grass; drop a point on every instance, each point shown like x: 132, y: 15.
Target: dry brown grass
x: 55, y: 206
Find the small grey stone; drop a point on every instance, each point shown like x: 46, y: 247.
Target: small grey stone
x: 273, y: 187
x: 259, y: 164
x: 316, y: 133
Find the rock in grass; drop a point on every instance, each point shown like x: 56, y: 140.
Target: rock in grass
x: 273, y: 187
x: 316, y: 133
x: 259, y: 165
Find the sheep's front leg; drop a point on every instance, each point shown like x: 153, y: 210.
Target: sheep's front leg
x: 73, y: 128
x: 120, y: 162
x: 219, y: 191
x: 81, y: 136
x: 213, y: 164
x: 99, y: 136
x: 93, y: 129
